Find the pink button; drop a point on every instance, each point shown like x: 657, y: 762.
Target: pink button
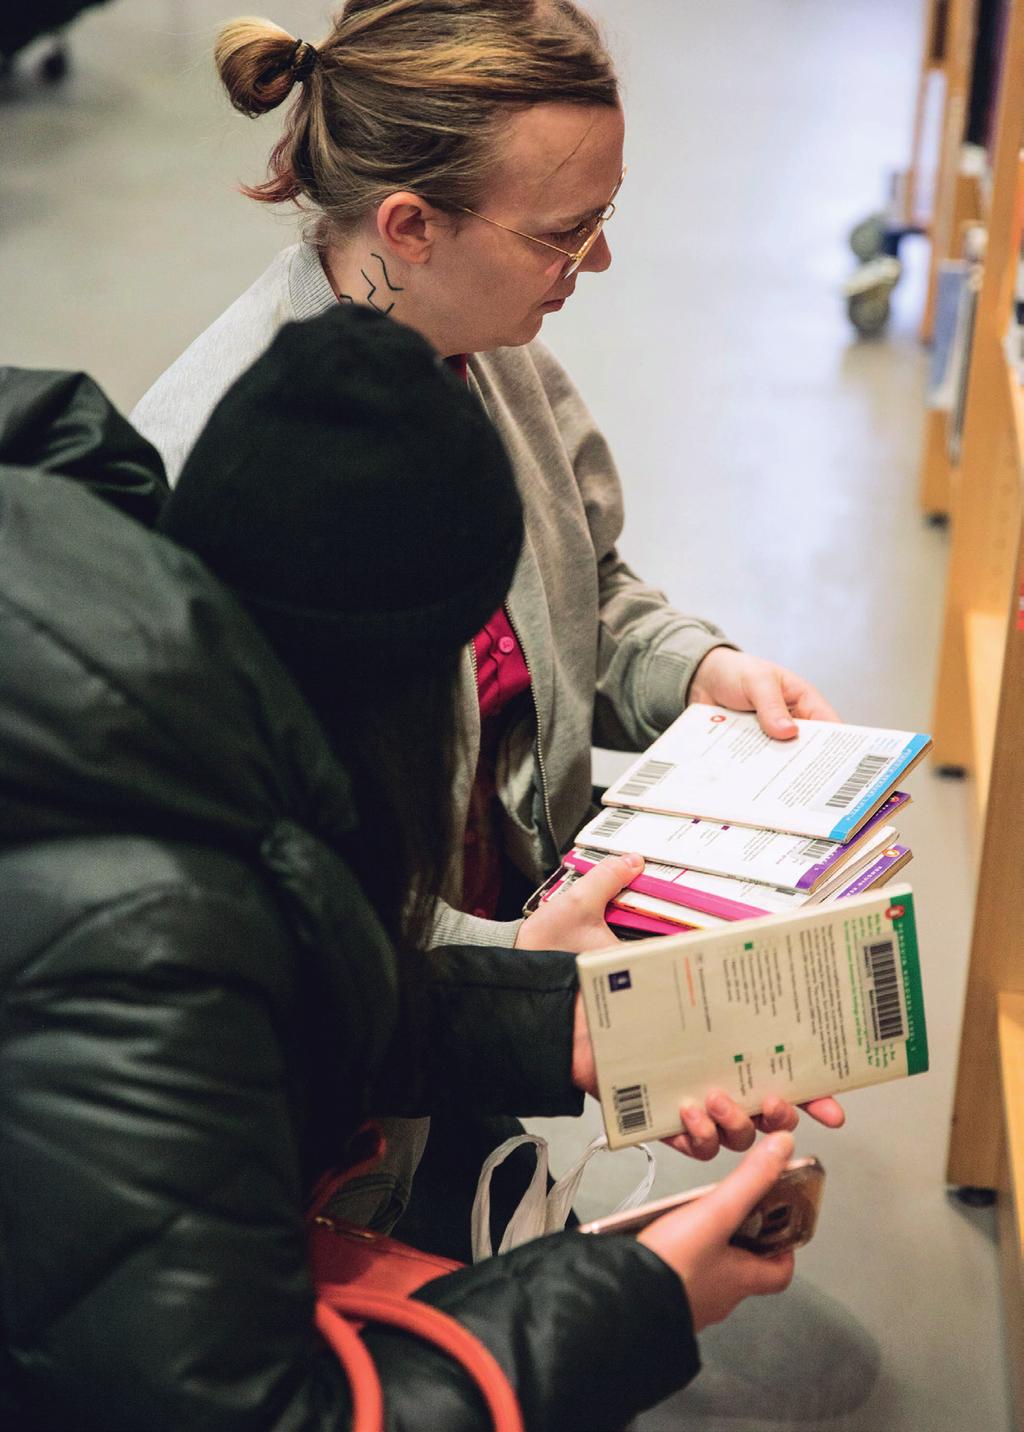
x: 506, y: 644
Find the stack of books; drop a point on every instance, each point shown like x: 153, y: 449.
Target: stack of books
x: 734, y: 825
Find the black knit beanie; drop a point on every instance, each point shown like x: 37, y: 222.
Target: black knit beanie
x: 354, y: 495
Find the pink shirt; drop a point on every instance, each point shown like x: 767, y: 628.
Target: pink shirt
x: 501, y: 675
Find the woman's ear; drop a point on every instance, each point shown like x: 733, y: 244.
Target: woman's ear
x: 409, y: 226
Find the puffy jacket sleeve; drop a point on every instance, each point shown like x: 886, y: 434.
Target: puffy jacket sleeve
x: 151, y: 1196
x: 647, y: 650
x: 150, y: 1180
x: 495, y: 1037
x: 591, y: 1329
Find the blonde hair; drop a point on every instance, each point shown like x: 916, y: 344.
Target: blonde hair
x: 407, y: 94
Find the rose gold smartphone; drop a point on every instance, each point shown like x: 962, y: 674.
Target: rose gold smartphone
x: 784, y: 1218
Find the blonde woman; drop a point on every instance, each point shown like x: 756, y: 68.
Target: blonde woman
x: 457, y: 161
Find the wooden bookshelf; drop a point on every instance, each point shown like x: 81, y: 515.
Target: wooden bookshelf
x: 1011, y: 1187
x: 979, y: 715
x: 985, y: 488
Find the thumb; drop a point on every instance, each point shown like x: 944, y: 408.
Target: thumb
x: 724, y: 1209
x: 606, y: 879
x: 770, y: 706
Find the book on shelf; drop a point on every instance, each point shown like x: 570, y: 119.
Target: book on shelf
x: 718, y: 765
x: 959, y: 366
x: 809, y: 1004
x: 951, y: 277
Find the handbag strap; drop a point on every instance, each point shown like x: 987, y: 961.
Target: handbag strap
x: 363, y: 1380
x: 337, y: 1303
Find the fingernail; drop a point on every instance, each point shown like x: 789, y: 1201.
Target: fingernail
x: 692, y: 1115
x: 634, y: 862
x: 781, y: 1145
x: 718, y: 1106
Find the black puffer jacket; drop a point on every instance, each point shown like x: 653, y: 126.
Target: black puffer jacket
x: 199, y: 1007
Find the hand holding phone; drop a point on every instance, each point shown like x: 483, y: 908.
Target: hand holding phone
x: 784, y: 1218
x: 696, y: 1238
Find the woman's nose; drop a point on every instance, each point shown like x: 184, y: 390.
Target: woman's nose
x: 599, y: 258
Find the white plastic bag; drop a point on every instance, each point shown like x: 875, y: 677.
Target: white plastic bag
x: 541, y: 1211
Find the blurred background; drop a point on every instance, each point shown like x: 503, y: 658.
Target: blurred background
x: 769, y: 457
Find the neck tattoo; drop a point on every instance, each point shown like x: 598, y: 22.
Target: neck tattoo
x: 374, y: 296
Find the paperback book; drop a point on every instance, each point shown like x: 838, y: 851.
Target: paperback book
x: 741, y: 852
x: 718, y: 765
x: 814, y: 1003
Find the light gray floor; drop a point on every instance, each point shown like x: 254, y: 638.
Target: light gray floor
x: 770, y: 465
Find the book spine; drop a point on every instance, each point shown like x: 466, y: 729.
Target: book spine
x: 854, y: 817
x: 649, y: 924
x: 677, y: 893
x: 815, y: 873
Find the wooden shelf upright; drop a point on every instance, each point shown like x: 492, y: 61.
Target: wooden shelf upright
x: 957, y: 199
x: 916, y: 197
x: 979, y: 715
x: 958, y: 202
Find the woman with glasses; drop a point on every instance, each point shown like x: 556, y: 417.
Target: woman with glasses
x: 458, y: 160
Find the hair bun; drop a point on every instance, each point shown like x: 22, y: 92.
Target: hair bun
x: 258, y: 63
x: 304, y: 60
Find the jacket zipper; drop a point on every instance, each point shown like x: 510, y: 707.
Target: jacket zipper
x: 347, y: 1230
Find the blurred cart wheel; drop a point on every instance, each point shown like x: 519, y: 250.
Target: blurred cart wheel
x: 867, y: 239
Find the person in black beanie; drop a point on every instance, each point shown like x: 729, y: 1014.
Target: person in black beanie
x: 358, y: 501
x: 202, y: 1004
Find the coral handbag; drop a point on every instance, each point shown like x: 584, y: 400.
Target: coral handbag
x: 365, y: 1277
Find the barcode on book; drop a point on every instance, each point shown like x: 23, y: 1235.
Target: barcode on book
x: 866, y: 771
x: 885, y: 993
x: 817, y: 849
x: 646, y: 776
x: 631, y: 1108
x: 612, y: 823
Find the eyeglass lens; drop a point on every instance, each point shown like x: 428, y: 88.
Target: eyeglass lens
x: 573, y: 264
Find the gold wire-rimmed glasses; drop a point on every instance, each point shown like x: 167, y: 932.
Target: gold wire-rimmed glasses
x: 586, y: 234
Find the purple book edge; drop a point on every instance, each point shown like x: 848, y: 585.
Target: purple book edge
x: 810, y: 877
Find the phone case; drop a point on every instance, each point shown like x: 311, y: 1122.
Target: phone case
x: 784, y: 1218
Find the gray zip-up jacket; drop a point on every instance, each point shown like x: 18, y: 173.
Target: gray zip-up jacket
x: 610, y: 660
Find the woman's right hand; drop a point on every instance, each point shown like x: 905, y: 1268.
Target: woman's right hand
x: 694, y: 1239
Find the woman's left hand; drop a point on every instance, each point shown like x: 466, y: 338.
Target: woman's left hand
x: 722, y: 1124
x: 747, y: 683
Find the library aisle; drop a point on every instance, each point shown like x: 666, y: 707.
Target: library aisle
x: 770, y: 461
